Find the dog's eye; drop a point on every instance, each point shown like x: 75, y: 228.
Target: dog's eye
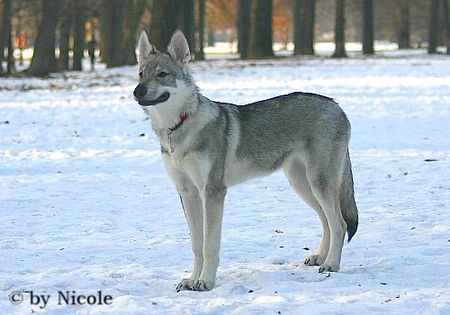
x: 162, y: 74
x: 141, y: 74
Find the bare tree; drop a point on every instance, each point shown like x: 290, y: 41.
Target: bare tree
x: 403, y: 13
x: 243, y: 27
x: 433, y: 27
x: 65, y: 27
x: 111, y: 31
x: 339, y: 30
x: 168, y: 16
x: 106, y: 22
x: 304, y: 23
x: 187, y: 22
x: 2, y: 37
x: 79, y: 34
x: 200, y: 54
x: 6, y: 39
x: 446, y: 8
x: 134, y: 10
x: 368, y: 28
x: 165, y: 20
x: 4, y: 33
x: 44, y: 60
x: 261, y: 30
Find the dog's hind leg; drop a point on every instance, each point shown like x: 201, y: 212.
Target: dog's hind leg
x: 296, y: 174
x: 324, y: 185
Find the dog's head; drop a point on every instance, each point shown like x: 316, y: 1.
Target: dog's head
x: 164, y: 78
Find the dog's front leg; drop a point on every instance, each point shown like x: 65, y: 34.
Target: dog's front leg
x: 193, y: 211
x: 213, y: 199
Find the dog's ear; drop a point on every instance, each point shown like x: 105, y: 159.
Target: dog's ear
x: 179, y: 48
x: 145, y: 48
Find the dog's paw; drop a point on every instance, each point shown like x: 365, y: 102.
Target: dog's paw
x: 185, y: 285
x: 202, y: 285
x: 328, y: 268
x: 313, y: 260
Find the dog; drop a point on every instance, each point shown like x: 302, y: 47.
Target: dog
x: 209, y: 146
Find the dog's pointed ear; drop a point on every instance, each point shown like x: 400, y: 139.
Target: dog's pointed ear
x: 145, y: 48
x: 179, y: 48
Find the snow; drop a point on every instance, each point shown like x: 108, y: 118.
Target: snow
x: 86, y: 204
x: 321, y: 48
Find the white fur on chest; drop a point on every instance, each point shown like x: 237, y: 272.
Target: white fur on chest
x: 194, y: 166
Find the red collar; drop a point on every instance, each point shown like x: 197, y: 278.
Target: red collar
x: 183, y: 118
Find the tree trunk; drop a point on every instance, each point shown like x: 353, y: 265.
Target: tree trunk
x: 433, y: 27
x: 111, y: 32
x: 44, y: 60
x: 21, y: 34
x: 156, y: 32
x: 304, y: 21
x: 64, y: 38
x: 298, y: 25
x: 79, y: 34
x: 211, y: 38
x: 165, y: 21
x: 6, y: 39
x: 244, y: 10
x: 368, y: 28
x: 133, y: 14
x: 447, y: 19
x: 261, y: 30
x: 339, y: 30
x: 442, y: 24
x: 117, y: 29
x: 187, y: 23
x: 3, y: 37
x: 200, y: 55
x: 10, y: 65
x: 2, y: 44
x: 106, y: 30
x: 404, y: 24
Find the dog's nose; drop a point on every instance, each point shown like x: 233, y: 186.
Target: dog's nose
x: 140, y: 91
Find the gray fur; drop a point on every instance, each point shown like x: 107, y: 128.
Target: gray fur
x: 347, y: 199
x: 222, y: 144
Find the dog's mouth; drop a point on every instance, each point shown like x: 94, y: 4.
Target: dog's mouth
x: 164, y: 97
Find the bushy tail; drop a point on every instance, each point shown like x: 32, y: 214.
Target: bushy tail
x: 347, y: 199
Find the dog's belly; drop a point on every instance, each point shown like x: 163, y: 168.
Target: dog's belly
x: 240, y: 171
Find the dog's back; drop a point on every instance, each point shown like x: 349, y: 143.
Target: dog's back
x: 269, y: 131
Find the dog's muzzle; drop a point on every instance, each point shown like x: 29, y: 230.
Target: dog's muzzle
x: 140, y: 91
x: 164, y: 97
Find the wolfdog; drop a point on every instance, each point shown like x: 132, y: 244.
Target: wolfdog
x: 209, y: 146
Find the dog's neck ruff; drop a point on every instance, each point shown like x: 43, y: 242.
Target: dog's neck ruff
x: 183, y: 118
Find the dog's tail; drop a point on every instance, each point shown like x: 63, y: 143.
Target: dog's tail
x: 347, y: 199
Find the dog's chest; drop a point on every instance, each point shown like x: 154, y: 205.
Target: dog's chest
x: 193, y: 165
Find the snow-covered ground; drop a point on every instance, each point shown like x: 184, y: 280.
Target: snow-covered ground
x: 85, y: 203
